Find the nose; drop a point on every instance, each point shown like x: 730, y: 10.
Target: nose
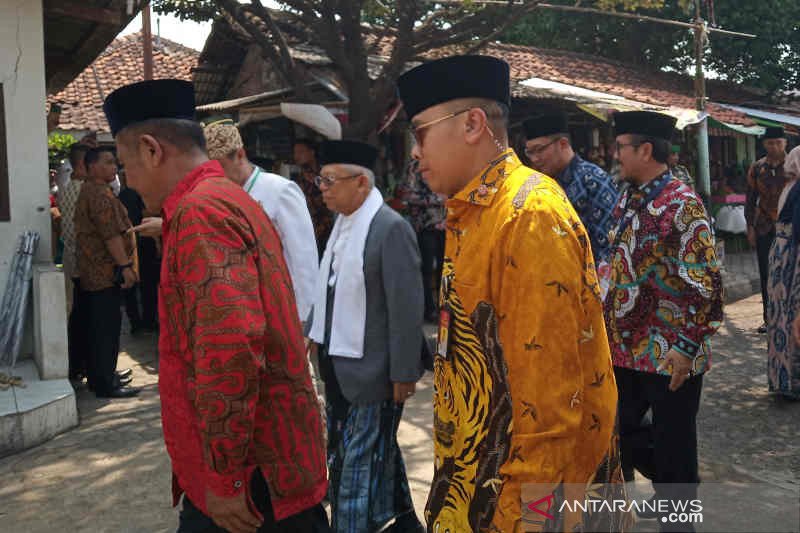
x: 416, y: 152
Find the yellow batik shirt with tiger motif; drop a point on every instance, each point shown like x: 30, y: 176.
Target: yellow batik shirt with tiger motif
x: 524, y: 385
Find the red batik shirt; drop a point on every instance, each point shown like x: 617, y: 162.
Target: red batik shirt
x: 236, y: 394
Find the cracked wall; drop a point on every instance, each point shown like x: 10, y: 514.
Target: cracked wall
x: 23, y: 85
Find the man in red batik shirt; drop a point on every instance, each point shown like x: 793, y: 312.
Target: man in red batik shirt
x: 240, y: 418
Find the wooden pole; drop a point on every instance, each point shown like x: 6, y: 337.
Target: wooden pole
x: 147, y: 42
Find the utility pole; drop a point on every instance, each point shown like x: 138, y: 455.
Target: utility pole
x: 147, y: 42
x: 703, y: 166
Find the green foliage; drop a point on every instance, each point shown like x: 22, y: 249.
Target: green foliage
x: 58, y: 145
x: 197, y: 10
x: 771, y: 61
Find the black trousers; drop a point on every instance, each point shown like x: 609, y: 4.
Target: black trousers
x: 146, y: 291
x: 313, y: 520
x: 431, y: 247
x: 103, y: 328
x: 78, y: 344
x: 674, y: 431
x: 763, y: 244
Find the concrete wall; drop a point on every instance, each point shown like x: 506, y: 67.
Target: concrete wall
x: 22, y: 76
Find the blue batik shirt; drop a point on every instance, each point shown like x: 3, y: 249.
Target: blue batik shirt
x: 593, y: 194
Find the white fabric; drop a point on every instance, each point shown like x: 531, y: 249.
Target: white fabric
x: 338, y: 249
x: 64, y: 174
x: 350, y: 299
x: 730, y: 218
x: 285, y: 205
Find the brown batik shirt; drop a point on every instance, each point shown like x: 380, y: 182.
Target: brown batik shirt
x: 764, y: 185
x: 99, y: 216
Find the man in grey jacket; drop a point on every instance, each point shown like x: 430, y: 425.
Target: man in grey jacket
x: 366, y: 324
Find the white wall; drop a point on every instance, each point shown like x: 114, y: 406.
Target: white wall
x: 22, y: 76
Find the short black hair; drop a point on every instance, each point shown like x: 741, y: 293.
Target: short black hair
x: 76, y: 153
x: 661, y: 147
x: 185, y: 135
x: 306, y: 142
x: 93, y: 154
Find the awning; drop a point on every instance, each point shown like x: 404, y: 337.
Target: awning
x: 602, y: 105
x: 768, y: 116
x: 746, y: 130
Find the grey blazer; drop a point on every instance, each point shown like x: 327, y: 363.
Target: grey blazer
x: 395, y: 305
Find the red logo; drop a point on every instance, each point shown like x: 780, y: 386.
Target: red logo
x: 534, y: 506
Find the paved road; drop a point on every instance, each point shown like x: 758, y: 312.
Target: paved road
x: 111, y: 474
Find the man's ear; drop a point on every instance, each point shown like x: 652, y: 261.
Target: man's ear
x: 241, y: 154
x: 646, y: 149
x: 151, y: 151
x: 474, y: 125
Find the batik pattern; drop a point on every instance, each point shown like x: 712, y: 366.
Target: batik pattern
x: 665, y: 289
x: 235, y: 388
x: 783, y: 287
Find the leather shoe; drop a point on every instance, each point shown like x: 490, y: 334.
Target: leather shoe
x: 121, y: 382
x: 121, y: 392
x: 124, y: 373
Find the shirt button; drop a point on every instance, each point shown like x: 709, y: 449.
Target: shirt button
x: 237, y: 484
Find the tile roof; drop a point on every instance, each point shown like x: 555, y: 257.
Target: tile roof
x: 119, y: 64
x: 613, y: 77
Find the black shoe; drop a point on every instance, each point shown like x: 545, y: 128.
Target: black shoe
x: 762, y: 328
x: 124, y: 373
x: 121, y: 382
x: 121, y: 392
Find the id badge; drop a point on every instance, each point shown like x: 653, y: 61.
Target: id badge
x: 445, y: 318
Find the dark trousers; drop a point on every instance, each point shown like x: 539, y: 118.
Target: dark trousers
x: 674, y: 431
x: 77, y: 331
x: 313, y: 520
x: 763, y: 244
x: 431, y: 248
x: 146, y: 291
x: 103, y: 328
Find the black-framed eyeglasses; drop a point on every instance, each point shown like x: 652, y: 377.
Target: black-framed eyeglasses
x: 536, y: 150
x: 330, y: 181
x: 416, y: 131
x: 619, y: 146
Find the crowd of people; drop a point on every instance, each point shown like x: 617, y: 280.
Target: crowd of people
x: 574, y: 312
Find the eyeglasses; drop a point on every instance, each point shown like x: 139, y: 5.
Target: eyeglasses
x: 619, y: 146
x: 536, y: 150
x: 330, y: 181
x: 416, y: 131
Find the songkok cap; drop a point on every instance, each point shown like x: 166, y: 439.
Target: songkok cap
x: 148, y: 100
x: 774, y: 132
x: 646, y: 123
x: 545, y: 124
x: 454, y: 77
x: 348, y: 153
x: 222, y: 137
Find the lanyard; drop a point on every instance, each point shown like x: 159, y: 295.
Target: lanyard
x: 252, y: 181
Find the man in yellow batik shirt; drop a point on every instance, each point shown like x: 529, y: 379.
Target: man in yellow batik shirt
x: 525, y: 398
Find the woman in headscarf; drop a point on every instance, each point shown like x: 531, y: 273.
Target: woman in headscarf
x: 783, y: 287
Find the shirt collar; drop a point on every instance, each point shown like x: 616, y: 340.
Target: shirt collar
x: 565, y: 176
x: 483, y: 187
x: 251, y: 180
x: 209, y: 169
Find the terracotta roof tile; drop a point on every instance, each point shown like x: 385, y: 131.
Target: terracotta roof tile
x: 118, y: 65
x: 613, y: 77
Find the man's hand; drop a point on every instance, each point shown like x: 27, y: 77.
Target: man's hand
x: 751, y: 236
x: 403, y: 391
x: 681, y: 369
x: 130, y: 278
x: 150, y: 227
x: 232, y: 514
